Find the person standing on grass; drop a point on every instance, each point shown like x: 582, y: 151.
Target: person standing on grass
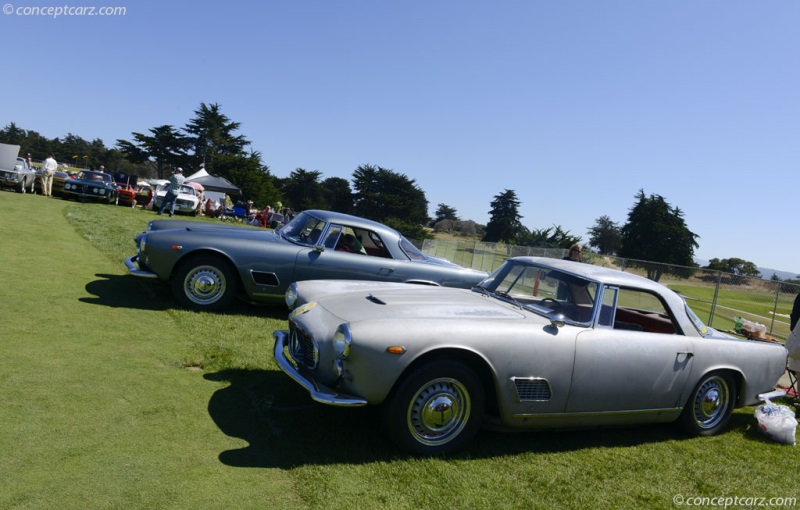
x: 48, y: 171
x: 795, y: 313
x: 175, y: 183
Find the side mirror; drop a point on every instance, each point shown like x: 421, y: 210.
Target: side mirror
x: 557, y: 320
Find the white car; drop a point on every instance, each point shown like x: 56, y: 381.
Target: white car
x: 186, y: 202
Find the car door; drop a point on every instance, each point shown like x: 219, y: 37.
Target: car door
x: 326, y: 262
x: 619, y: 370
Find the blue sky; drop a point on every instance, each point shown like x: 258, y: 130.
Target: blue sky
x: 576, y: 105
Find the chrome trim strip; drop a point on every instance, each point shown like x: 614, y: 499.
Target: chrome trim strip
x: 598, y: 413
x: 130, y: 262
x: 318, y: 392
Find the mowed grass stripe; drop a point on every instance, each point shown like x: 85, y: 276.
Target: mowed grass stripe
x: 97, y: 408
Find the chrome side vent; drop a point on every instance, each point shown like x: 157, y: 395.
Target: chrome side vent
x: 533, y: 389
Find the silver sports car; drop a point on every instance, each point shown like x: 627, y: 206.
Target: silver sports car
x: 541, y: 343
x: 209, y: 264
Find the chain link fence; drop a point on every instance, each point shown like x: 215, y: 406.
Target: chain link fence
x: 717, y: 297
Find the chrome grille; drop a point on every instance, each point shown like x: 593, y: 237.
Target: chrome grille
x: 302, y: 347
x: 532, y: 388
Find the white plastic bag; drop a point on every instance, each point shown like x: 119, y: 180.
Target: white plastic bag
x: 777, y: 422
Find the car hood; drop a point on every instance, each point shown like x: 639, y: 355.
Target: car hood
x: 392, y: 301
x: 195, y: 226
x: 207, y: 229
x: 101, y: 184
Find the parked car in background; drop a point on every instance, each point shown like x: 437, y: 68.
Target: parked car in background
x: 144, y: 193
x: 59, y: 178
x: 21, y: 177
x: 90, y: 185
x: 126, y: 188
x: 126, y: 195
x: 187, y: 201
x: 541, y: 343
x: 209, y: 264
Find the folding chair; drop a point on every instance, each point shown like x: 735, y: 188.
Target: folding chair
x: 239, y: 213
x: 793, y: 365
x: 792, y: 368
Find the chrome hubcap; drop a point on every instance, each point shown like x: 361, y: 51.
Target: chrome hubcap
x: 439, y: 411
x: 204, y: 285
x: 711, y: 402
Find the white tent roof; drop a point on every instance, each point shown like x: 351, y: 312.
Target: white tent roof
x: 200, y: 173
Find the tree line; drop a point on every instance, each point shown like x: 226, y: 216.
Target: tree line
x: 654, y: 231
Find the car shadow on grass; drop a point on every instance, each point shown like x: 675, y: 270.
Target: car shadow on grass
x: 284, y: 428
x: 125, y: 291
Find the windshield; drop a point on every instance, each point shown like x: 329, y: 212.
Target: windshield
x: 303, y: 229
x: 696, y: 322
x: 94, y: 177
x: 543, y: 290
x: 411, y: 250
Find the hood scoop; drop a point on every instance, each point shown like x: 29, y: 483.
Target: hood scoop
x: 375, y: 300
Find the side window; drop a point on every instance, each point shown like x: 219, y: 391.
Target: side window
x: 608, y: 307
x: 638, y: 310
x: 372, y: 243
x: 333, y: 236
x: 345, y: 239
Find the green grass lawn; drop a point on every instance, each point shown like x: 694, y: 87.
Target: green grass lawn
x: 114, y: 398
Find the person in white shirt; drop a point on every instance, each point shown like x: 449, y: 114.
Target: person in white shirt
x: 48, y: 171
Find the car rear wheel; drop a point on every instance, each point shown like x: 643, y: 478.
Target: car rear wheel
x: 710, y: 405
x: 436, y: 409
x: 204, y: 283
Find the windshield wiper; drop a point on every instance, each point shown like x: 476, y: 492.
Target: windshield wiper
x: 508, y: 297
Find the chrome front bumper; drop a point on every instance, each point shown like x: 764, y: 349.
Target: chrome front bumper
x: 318, y: 392
x: 133, y: 269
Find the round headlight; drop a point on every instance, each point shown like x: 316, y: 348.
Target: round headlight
x: 291, y: 296
x: 341, y: 341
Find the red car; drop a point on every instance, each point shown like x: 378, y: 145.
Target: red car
x: 126, y: 188
x: 127, y: 195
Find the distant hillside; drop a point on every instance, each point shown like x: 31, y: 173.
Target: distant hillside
x: 766, y: 273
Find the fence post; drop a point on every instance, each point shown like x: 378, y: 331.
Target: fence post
x: 714, y: 301
x: 775, y: 308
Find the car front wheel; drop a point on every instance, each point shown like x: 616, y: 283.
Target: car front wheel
x: 710, y: 405
x: 204, y: 283
x: 436, y: 409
